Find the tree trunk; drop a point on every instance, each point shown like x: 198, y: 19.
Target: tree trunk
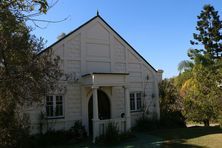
x: 206, y: 122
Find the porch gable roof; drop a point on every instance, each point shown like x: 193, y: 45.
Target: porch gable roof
x: 104, y: 79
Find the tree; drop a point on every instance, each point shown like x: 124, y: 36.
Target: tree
x: 25, y: 76
x: 185, y: 65
x: 202, y: 96
x: 171, y: 105
x: 209, y: 36
x: 201, y: 86
x: 185, y: 68
x: 27, y: 6
x: 169, y: 97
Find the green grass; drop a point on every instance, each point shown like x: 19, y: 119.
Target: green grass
x: 190, y: 137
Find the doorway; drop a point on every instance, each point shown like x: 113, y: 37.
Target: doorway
x: 103, y: 108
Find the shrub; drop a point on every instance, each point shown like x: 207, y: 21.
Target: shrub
x: 77, y: 132
x: 220, y: 120
x: 112, y: 133
x: 14, y: 129
x: 172, y: 120
x: 50, y: 138
x: 145, y: 124
x: 113, y: 136
x: 167, y: 120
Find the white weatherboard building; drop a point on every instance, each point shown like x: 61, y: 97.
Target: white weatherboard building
x: 105, y: 80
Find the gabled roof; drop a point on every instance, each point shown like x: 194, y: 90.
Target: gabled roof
x: 98, y: 16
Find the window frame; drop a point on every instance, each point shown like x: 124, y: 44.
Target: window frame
x: 54, y: 105
x: 136, y: 109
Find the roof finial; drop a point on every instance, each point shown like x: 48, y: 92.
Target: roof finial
x: 97, y: 13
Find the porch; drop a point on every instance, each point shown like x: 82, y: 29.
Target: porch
x: 97, y: 117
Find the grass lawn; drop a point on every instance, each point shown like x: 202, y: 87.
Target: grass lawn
x: 190, y: 137
x: 196, y: 137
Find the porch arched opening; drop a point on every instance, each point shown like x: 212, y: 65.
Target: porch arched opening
x: 104, y: 108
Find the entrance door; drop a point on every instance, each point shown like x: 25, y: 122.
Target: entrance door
x: 103, y: 108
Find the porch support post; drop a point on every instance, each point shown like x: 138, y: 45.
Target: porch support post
x: 127, y: 108
x: 95, y: 114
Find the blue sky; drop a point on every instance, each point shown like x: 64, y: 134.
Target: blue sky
x: 160, y: 30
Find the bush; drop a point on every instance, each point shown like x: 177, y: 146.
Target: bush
x: 172, y: 120
x: 78, y: 131
x: 220, y: 120
x: 113, y: 135
x: 167, y: 120
x: 146, y: 124
x: 75, y: 134
x: 14, y: 129
x: 171, y: 106
x: 49, y: 138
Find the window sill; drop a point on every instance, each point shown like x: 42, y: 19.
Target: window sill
x: 136, y: 111
x: 59, y: 117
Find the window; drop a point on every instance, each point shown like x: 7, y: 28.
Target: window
x: 59, y: 106
x: 49, y: 106
x: 135, y: 101
x: 138, y: 101
x: 132, y: 101
x: 54, y: 106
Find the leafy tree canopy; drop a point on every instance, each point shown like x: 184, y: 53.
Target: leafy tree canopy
x: 171, y: 105
x: 170, y: 99
x: 25, y: 76
x: 209, y: 35
x: 200, y: 80
x: 27, y: 6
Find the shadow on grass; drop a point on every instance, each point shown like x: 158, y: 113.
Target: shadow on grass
x: 141, y: 140
x: 159, y: 138
x: 177, y: 143
x: 180, y: 145
x: 178, y: 137
x: 186, y: 133
x: 145, y: 140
